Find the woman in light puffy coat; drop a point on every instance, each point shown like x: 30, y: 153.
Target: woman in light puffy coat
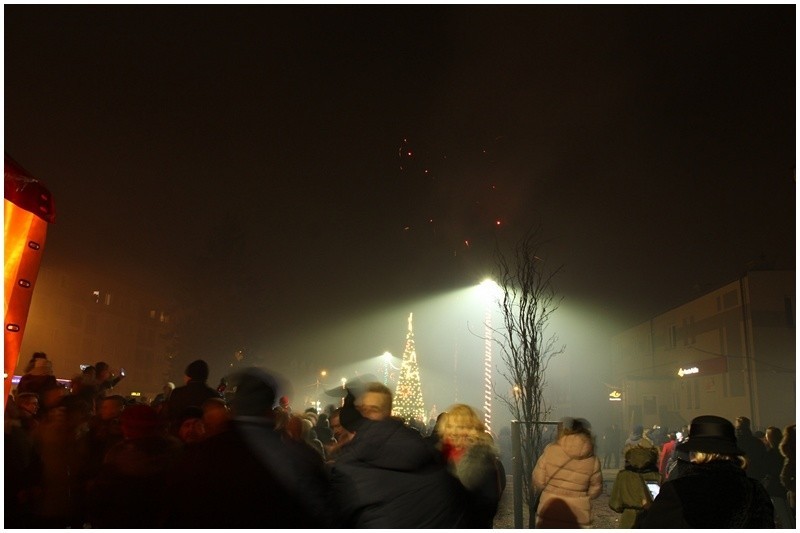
x: 568, y: 476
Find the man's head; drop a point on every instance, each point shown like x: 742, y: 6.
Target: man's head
x: 102, y: 371
x: 111, y: 407
x: 139, y: 421
x: 216, y: 415
x: 197, y: 371
x: 28, y: 403
x: 339, y: 432
x: 190, y: 424
x: 256, y: 392
x: 743, y: 424
x: 375, y: 403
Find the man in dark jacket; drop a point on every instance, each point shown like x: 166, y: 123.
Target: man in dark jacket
x: 194, y: 393
x: 388, y: 476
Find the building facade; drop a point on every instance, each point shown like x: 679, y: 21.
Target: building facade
x: 730, y: 352
x: 80, y: 320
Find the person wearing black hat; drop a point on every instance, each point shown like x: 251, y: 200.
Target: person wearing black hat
x: 714, y: 492
x: 193, y: 393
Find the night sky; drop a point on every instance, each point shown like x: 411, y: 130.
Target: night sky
x: 363, y: 155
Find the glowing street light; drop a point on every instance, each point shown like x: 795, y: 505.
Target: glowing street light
x: 387, y: 362
x: 322, y: 373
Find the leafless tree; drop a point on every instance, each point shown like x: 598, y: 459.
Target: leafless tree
x: 527, y: 301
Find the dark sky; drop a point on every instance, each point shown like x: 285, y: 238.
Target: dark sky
x: 655, y: 145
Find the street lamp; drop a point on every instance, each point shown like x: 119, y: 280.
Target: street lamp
x: 323, y: 373
x: 387, y: 364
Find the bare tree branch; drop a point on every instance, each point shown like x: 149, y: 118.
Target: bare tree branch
x: 527, y: 304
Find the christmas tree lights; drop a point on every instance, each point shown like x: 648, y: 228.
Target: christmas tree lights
x: 408, y: 401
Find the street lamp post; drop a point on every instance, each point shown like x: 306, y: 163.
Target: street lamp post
x: 323, y: 373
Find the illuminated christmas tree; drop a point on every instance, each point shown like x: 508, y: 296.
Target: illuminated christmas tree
x: 408, y: 402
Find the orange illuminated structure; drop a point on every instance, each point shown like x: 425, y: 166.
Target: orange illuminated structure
x: 28, y: 208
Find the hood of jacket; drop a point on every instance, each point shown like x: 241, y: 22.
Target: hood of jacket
x: 577, y: 446
x: 641, y: 459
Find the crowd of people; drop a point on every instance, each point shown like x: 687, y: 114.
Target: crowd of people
x: 241, y: 457
x: 712, y: 474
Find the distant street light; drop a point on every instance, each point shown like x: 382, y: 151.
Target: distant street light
x: 387, y: 362
x: 322, y: 373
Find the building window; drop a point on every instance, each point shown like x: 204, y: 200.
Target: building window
x: 96, y: 295
x: 688, y: 389
x: 736, y: 362
x: 689, y: 327
x: 107, y: 299
x: 673, y: 336
x: 649, y: 405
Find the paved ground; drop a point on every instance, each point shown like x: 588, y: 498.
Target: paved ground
x: 604, y: 517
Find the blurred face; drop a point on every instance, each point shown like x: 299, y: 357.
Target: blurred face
x: 458, y: 431
x: 339, y: 432
x: 216, y: 418
x: 51, y: 397
x: 28, y: 406
x: 110, y: 409
x: 192, y: 430
x: 375, y: 406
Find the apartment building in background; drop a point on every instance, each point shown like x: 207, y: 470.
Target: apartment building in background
x: 730, y: 352
x: 82, y: 319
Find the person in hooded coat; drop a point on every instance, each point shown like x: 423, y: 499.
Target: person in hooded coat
x: 569, y: 476
x: 629, y: 494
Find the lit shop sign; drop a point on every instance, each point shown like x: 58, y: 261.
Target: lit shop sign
x: 15, y: 380
x: 614, y: 396
x: 686, y: 371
